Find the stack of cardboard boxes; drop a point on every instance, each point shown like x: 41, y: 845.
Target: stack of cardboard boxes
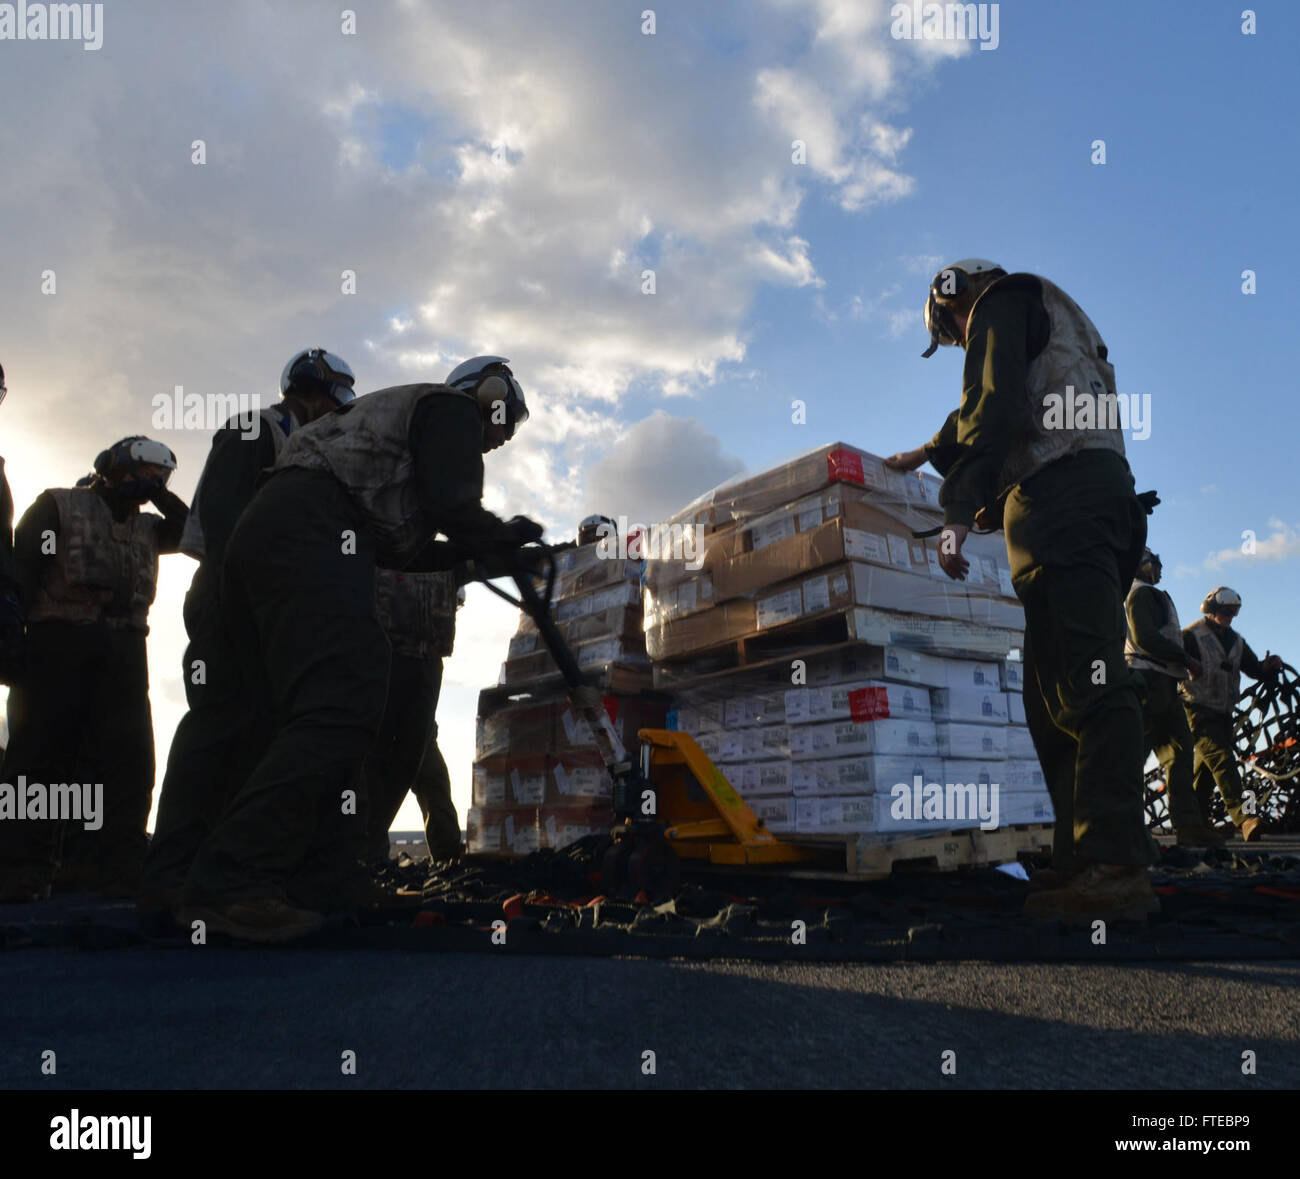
x: 827, y: 536
x: 788, y: 570
x: 538, y: 778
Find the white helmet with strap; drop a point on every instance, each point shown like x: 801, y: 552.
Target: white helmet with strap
x: 1222, y: 599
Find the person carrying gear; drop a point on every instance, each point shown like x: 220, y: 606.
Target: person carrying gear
x: 1062, y: 489
x: 369, y: 485
x: 1154, y: 649
x: 204, y: 761
x: 1209, y: 696
x: 13, y: 624
x: 87, y: 567
x: 418, y: 614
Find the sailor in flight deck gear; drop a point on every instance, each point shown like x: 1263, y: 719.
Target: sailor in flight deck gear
x: 370, y: 485
x: 13, y: 624
x: 1075, y: 532
x: 86, y: 561
x: 1154, y: 648
x: 208, y: 754
x: 1209, y: 696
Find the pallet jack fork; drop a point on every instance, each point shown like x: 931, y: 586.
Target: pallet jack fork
x: 672, y: 803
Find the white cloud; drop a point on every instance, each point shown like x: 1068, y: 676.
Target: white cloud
x: 1282, y: 543
x: 656, y: 467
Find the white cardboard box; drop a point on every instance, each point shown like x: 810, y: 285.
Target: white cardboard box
x: 1024, y: 775
x: 1020, y: 807
x: 979, y: 771
x: 1016, y: 707
x: 845, y: 738
x: 1013, y: 676
x: 860, y: 700
x: 969, y: 705
x: 973, y: 675
x: 1020, y: 744
x: 866, y: 774
x: 980, y: 742
x: 900, y: 664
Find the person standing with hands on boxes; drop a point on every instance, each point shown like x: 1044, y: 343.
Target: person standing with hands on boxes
x: 1075, y: 531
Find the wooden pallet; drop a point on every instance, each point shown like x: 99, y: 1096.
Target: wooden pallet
x: 859, y: 625
x: 873, y: 857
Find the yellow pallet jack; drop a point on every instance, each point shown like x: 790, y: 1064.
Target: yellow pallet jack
x: 672, y: 804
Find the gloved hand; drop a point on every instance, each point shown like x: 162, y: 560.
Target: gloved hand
x: 526, y: 531
x: 1148, y: 500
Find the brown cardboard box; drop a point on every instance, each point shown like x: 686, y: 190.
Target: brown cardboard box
x: 617, y: 622
x: 841, y: 587
x: 707, y: 628
x: 810, y: 472
x: 857, y: 533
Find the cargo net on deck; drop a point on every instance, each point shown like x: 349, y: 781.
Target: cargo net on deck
x: 1266, y: 725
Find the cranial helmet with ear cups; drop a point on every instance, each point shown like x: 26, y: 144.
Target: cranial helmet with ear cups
x: 1223, y: 600
x: 947, y: 286
x: 490, y: 380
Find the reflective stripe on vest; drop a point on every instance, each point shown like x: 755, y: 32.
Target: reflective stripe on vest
x: 417, y: 611
x: 1217, y: 687
x: 1135, y: 657
x: 102, y: 570
x: 1069, y: 373
x: 366, y: 446
x: 280, y: 423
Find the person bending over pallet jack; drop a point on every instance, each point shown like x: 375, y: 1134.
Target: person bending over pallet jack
x: 370, y: 484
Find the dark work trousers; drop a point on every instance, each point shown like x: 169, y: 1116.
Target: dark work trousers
x: 1167, y: 733
x: 406, y: 757
x: 81, y: 714
x: 210, y: 752
x: 1075, y: 533
x: 298, y: 599
x: 1215, y: 761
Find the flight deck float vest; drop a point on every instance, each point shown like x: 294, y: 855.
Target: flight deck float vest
x: 417, y: 612
x: 1075, y: 357
x: 97, y: 562
x: 365, y: 446
x: 1217, y: 687
x: 280, y: 423
x: 1135, y: 657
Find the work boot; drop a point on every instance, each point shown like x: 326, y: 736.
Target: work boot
x: 264, y: 920
x: 1201, y: 837
x: 1251, y: 831
x: 1107, y: 892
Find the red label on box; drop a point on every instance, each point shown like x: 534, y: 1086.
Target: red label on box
x: 868, y: 704
x: 845, y: 466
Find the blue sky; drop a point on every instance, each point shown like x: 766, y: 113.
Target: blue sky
x: 498, y: 174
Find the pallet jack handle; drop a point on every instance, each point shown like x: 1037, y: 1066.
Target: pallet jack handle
x: 629, y: 778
